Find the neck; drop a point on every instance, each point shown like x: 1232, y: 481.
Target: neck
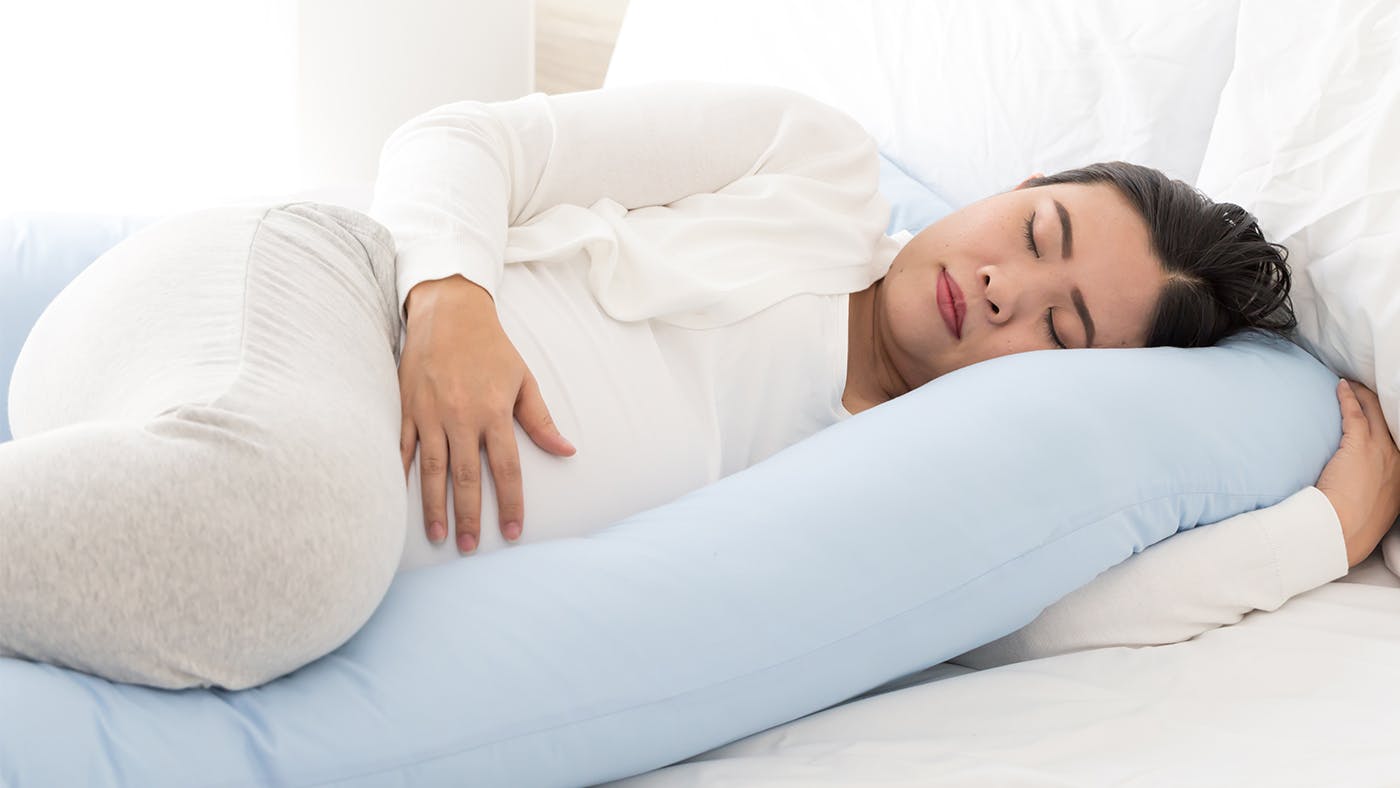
x: 871, y: 377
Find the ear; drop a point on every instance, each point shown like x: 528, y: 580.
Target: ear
x: 1033, y: 176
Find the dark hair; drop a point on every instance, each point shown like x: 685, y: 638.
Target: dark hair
x: 1222, y: 275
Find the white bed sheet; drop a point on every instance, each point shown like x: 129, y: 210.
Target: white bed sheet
x: 1301, y: 696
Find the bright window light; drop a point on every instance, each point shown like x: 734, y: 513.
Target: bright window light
x: 146, y: 106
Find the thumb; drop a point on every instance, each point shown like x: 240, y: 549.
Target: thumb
x: 532, y: 414
x: 1354, y: 423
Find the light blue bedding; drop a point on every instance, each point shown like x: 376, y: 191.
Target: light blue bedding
x: 903, y: 536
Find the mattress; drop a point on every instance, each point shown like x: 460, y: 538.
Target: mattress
x: 1298, y: 697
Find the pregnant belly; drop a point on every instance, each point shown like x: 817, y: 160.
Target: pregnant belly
x: 640, y: 435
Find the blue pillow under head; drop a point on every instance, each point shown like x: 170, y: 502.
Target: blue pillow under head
x: 913, y: 205
x: 903, y: 536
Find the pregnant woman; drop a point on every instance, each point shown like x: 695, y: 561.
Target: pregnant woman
x: 687, y: 277
x: 216, y: 476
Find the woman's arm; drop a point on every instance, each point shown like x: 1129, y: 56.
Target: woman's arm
x: 452, y: 180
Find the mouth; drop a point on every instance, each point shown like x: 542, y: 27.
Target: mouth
x: 951, y: 304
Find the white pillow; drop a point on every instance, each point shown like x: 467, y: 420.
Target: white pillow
x: 1307, y: 139
x: 968, y: 96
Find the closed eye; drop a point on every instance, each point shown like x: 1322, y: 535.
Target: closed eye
x: 1030, y: 236
x: 1050, y: 330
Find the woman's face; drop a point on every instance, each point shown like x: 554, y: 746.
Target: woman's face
x: 1089, y: 252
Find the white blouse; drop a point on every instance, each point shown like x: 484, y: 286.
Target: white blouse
x: 673, y: 261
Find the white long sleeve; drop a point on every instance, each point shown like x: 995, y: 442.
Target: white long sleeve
x: 1192, y: 582
x: 453, y: 181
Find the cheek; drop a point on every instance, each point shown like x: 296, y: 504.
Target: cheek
x: 980, y: 233
x: 1005, y: 342
x: 911, y: 306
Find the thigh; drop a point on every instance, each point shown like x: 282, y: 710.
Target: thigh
x: 205, y: 487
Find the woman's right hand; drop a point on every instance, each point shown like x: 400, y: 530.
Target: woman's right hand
x: 1362, y: 480
x: 462, y: 385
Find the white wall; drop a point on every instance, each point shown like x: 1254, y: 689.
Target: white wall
x: 367, y: 66
x: 153, y: 106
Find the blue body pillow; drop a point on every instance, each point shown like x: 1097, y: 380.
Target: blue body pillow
x: 903, y: 536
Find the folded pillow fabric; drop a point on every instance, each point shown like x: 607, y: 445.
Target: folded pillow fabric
x: 905, y: 535
x: 1305, y: 138
x: 969, y: 96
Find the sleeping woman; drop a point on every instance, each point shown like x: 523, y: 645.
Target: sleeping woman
x: 684, y: 278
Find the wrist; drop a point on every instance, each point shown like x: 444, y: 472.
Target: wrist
x: 1355, y: 531
x: 424, y: 297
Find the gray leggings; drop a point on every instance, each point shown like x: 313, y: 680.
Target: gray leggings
x: 205, y: 487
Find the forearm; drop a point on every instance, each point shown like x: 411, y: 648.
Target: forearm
x: 453, y: 180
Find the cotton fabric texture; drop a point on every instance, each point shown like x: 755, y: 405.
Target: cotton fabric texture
x: 672, y: 262
x: 839, y: 563
x: 582, y: 214
x: 203, y: 490
x: 575, y: 660
x: 1305, y: 138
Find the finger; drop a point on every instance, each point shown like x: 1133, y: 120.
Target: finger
x: 1354, y: 421
x: 466, y: 487
x: 532, y: 414
x: 408, y: 445
x: 432, y: 468
x: 1370, y: 405
x: 505, y: 471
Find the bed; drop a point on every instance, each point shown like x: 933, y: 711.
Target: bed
x: 964, y: 99
x: 1297, y: 696
x: 1293, y: 697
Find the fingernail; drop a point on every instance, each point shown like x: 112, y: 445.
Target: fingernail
x: 437, y: 533
x: 466, y: 543
x: 511, y: 531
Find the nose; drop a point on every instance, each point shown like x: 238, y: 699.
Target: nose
x: 996, y: 294
x: 1010, y: 289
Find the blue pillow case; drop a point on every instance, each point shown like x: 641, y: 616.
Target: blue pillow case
x: 913, y: 204
x: 903, y: 536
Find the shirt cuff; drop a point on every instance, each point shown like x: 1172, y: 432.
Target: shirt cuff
x: 439, y: 258
x: 1306, y: 537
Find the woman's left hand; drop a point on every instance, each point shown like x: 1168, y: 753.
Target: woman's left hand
x: 1362, y: 480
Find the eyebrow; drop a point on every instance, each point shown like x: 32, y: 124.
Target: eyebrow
x: 1066, y: 240
x: 1083, y: 311
x: 1066, y: 232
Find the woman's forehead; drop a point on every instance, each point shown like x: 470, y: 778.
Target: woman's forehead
x: 1111, y: 252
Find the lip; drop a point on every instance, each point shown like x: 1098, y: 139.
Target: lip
x: 950, y: 303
